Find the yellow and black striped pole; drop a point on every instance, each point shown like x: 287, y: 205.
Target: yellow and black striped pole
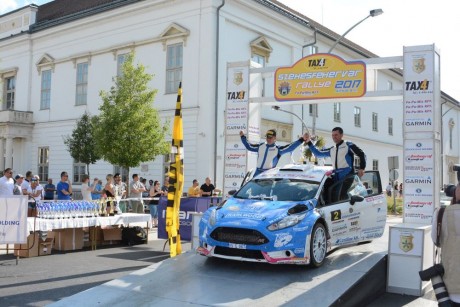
x: 176, y: 180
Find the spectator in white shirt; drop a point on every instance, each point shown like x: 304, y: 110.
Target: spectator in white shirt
x: 7, y: 183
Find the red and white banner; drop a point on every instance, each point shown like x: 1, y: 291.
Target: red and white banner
x: 13, y: 220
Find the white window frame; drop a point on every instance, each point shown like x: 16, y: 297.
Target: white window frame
x: 43, y: 163
x: 124, y: 174
x: 79, y: 169
x: 313, y: 109
x: 375, y: 165
x: 357, y: 116
x: 9, y: 90
x: 81, y: 90
x: 337, y: 111
x: 174, y: 64
x: 375, y: 121
x: 121, y: 59
x: 389, y: 85
x: 45, y: 89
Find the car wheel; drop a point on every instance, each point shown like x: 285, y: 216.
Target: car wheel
x: 318, y: 244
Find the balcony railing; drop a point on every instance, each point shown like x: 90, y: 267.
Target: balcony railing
x: 17, y: 117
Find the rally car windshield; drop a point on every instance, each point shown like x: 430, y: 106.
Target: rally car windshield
x: 278, y: 189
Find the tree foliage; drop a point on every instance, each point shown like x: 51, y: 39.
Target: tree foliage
x: 129, y: 130
x: 320, y: 142
x: 82, y: 144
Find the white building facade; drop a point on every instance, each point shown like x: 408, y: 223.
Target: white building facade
x: 55, y: 59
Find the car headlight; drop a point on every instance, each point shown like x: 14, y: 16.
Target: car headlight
x: 212, y: 218
x: 288, y: 221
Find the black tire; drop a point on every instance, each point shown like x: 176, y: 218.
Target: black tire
x: 318, y: 245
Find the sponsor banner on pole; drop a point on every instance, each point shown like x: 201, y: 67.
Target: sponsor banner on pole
x: 421, y: 146
x: 13, y: 220
x: 236, y: 120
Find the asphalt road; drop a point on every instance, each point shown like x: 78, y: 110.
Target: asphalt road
x: 42, y: 280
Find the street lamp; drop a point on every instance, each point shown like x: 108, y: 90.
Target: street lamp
x: 372, y: 13
x: 277, y: 108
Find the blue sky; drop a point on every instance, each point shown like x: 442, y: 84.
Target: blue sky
x: 404, y: 23
x: 10, y: 5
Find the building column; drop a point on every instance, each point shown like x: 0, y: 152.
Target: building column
x: 9, y: 152
x: 2, y: 155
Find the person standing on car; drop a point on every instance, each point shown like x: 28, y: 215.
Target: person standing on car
x: 269, y: 152
x: 342, y: 155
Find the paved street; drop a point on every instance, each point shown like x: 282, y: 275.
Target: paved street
x: 42, y: 280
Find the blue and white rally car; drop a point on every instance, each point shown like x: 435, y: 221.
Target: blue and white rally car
x: 295, y: 215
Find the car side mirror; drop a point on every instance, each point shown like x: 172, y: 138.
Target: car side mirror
x: 232, y: 192
x: 356, y: 198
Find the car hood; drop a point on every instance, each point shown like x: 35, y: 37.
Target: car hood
x: 239, y: 212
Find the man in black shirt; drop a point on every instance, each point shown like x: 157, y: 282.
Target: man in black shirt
x: 207, y: 188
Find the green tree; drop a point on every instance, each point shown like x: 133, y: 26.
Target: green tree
x: 82, y: 144
x: 128, y: 129
x: 320, y: 142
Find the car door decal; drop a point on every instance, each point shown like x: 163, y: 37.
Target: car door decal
x: 336, y: 215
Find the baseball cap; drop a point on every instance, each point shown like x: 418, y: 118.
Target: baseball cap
x: 18, y: 176
x: 270, y: 133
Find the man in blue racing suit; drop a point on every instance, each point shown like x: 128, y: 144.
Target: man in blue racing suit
x: 269, y: 153
x: 342, y: 155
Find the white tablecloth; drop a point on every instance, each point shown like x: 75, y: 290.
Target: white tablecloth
x: 131, y: 219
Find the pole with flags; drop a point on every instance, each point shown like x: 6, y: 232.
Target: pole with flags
x: 176, y: 180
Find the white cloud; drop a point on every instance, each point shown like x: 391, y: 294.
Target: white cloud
x: 8, y: 5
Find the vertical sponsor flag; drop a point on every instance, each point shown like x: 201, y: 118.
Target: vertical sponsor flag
x: 176, y: 180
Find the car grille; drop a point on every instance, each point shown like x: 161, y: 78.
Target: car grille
x: 233, y: 252
x: 238, y: 236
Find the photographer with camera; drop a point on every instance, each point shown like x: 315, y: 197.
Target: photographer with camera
x: 445, y: 277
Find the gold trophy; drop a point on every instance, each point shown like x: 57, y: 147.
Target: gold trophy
x: 111, y: 213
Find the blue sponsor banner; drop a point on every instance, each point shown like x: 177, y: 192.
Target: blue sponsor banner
x: 187, y: 206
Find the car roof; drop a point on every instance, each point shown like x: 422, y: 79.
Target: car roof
x: 297, y: 171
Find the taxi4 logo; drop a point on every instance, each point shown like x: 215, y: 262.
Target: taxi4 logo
x: 405, y: 243
x: 317, y: 62
x: 418, y: 85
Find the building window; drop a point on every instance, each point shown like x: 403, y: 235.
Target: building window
x: 45, y: 96
x: 173, y: 67
x: 390, y: 85
x: 451, y: 129
x: 337, y: 111
x: 374, y: 122
x: 82, y: 84
x: 390, y: 126
x: 313, y: 109
x: 258, y: 59
x: 121, y: 59
x: 9, y: 90
x: 357, y: 114
x: 43, y: 163
x: 312, y: 50
x: 122, y: 171
x: 375, y: 165
x: 79, y: 169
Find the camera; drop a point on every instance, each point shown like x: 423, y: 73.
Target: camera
x: 456, y: 168
x: 450, y: 190
x: 435, y: 273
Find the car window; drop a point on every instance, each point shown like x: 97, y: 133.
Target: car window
x: 278, y: 189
